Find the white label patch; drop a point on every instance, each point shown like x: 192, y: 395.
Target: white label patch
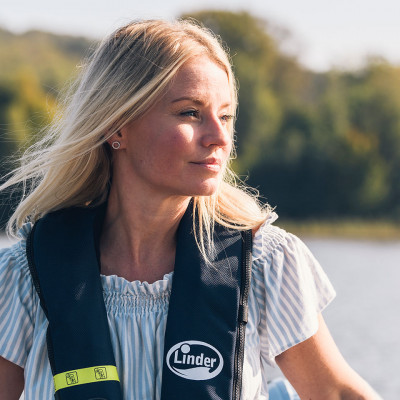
x: 195, y: 360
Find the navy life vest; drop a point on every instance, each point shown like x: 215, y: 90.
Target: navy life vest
x: 204, y: 338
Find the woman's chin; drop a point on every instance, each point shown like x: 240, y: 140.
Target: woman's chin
x: 205, y: 189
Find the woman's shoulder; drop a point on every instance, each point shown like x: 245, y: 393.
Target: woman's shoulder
x: 18, y: 302
x: 13, y: 260
x: 269, y: 238
x: 283, y: 257
x: 290, y: 289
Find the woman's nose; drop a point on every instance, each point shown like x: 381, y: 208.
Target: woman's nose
x: 216, y: 133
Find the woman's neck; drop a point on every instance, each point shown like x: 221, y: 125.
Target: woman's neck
x: 138, y: 239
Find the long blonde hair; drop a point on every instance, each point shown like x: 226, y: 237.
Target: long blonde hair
x: 71, y: 165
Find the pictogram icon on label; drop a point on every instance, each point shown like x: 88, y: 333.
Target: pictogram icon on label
x: 100, y: 373
x: 72, y: 378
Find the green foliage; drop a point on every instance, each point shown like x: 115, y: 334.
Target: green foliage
x: 374, y: 103
x: 53, y: 58
x: 34, y: 68
x: 317, y: 145
x: 30, y: 109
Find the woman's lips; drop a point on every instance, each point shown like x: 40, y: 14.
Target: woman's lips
x: 212, y: 164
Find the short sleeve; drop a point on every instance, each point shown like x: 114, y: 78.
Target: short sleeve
x: 17, y: 305
x: 291, y: 290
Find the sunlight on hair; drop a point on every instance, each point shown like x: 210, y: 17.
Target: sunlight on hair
x: 129, y: 71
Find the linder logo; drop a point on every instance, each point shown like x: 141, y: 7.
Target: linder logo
x: 195, y: 360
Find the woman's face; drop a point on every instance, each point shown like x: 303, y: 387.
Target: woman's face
x: 180, y: 146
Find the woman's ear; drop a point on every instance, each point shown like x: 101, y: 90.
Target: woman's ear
x: 116, y: 140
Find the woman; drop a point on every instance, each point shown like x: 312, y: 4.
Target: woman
x: 148, y: 132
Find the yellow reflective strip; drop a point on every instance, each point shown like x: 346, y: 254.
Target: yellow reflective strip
x: 81, y: 376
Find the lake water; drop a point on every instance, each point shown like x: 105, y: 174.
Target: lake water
x: 364, y: 319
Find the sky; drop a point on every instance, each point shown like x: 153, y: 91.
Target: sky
x: 323, y: 34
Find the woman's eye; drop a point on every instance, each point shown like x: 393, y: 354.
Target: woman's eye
x: 227, y: 118
x: 190, y: 113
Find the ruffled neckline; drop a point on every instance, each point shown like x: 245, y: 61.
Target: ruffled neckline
x: 118, y: 284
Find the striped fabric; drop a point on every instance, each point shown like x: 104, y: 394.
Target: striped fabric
x: 289, y: 289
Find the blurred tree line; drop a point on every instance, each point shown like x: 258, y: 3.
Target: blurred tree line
x: 317, y: 145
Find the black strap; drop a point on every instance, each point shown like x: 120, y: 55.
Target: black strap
x: 204, y: 340
x: 64, y: 265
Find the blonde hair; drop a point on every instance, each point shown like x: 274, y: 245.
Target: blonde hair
x: 127, y: 73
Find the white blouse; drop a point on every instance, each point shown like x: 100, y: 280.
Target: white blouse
x: 288, y: 291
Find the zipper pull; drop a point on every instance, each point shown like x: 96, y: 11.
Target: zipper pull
x: 243, y: 313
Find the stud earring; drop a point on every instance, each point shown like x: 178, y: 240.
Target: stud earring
x: 115, y: 145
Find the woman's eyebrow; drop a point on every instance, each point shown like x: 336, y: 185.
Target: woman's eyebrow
x: 196, y: 101
x: 192, y: 99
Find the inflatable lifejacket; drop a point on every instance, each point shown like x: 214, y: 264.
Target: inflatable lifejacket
x: 204, y: 338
